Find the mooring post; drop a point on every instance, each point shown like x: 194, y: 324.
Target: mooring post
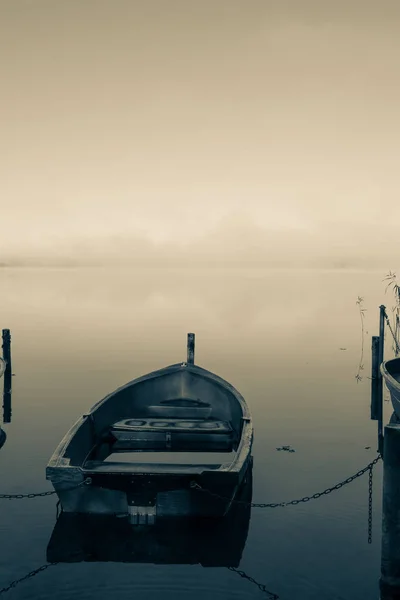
x: 7, y: 375
x: 382, y: 314
x: 7, y: 401
x: 390, y: 556
x: 375, y: 379
x: 190, y: 348
x: 7, y: 349
x: 379, y: 401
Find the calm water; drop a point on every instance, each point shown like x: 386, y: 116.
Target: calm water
x: 276, y: 336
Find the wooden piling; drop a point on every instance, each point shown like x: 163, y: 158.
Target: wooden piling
x: 190, y: 349
x: 7, y: 402
x: 375, y: 379
x: 7, y: 348
x: 390, y: 555
x: 381, y: 345
x: 382, y: 313
x: 7, y: 375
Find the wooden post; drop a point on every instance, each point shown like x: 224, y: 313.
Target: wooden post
x: 379, y: 402
x: 375, y: 379
x: 7, y: 376
x: 382, y: 313
x: 390, y: 555
x: 190, y: 349
x: 7, y: 403
x: 7, y: 349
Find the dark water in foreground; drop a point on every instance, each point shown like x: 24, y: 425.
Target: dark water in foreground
x: 276, y: 336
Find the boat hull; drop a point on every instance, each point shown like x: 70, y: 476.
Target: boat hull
x: 183, y: 407
x: 190, y: 494
x: 390, y: 370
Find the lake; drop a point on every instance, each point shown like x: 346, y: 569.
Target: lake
x: 289, y: 341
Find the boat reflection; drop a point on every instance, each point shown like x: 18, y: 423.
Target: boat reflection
x: 206, y: 541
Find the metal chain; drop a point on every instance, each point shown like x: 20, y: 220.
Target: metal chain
x: 86, y: 481
x: 20, y: 496
x: 195, y: 485
x: 260, y: 586
x: 13, y: 584
x: 370, y: 504
x: 392, y: 332
x: 242, y: 574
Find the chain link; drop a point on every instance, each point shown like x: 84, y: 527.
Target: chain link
x: 370, y: 475
x: 14, y: 583
x: 260, y: 586
x: 195, y: 485
x: 87, y: 481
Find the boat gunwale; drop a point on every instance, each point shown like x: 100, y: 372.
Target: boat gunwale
x: 3, y: 366
x: 246, y: 437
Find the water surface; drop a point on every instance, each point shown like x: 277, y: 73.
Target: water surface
x: 290, y: 342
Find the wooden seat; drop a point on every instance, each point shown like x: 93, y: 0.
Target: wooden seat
x: 100, y: 467
x: 172, y: 434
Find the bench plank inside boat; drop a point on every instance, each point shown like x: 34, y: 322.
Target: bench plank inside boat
x: 175, y: 434
x: 176, y: 425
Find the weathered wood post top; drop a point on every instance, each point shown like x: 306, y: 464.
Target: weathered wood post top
x: 190, y: 349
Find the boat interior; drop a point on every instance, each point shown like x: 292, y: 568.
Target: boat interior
x: 179, y: 417
x: 393, y: 368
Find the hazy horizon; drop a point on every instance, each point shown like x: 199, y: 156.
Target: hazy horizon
x: 237, y: 242
x: 271, y: 126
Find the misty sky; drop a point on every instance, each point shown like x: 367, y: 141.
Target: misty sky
x: 166, y: 119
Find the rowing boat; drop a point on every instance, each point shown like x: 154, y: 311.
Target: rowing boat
x: 390, y: 370
x: 174, y: 442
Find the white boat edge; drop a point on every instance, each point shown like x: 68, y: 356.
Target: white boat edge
x: 392, y: 384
